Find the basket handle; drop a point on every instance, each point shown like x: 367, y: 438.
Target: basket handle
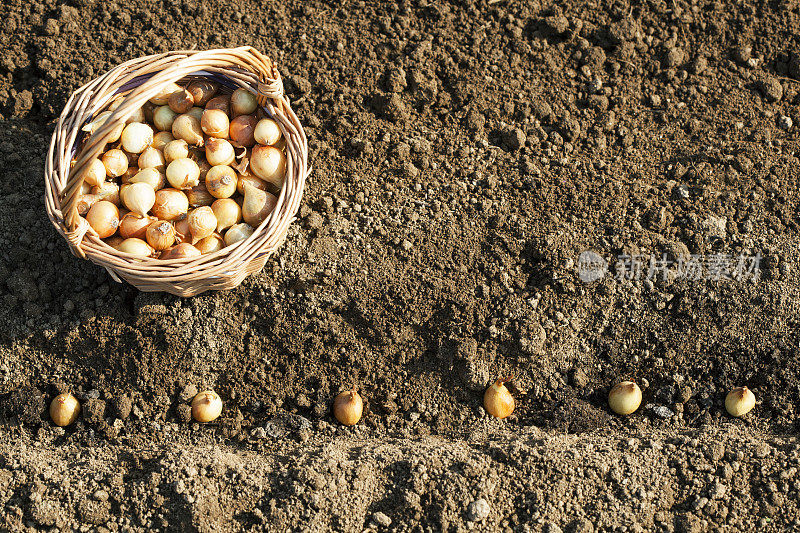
x: 261, y: 76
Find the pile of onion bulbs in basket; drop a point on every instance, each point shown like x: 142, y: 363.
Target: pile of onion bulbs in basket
x: 194, y: 170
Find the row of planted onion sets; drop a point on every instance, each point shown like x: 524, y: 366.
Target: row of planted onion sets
x: 624, y: 399
x: 192, y: 171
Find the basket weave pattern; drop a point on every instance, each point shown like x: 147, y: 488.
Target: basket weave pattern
x: 144, y: 77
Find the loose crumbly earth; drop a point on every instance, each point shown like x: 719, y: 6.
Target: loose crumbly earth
x: 465, y: 153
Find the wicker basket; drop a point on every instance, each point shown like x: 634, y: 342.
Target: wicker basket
x: 140, y: 80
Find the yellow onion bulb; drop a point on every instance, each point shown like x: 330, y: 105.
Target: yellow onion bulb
x: 164, y: 118
x: 206, y: 406
x: 625, y: 397
x: 133, y: 225
x: 136, y: 137
x: 199, y: 196
x: 181, y: 101
x: 170, y: 204
x: 85, y: 202
x: 348, y: 407
x: 160, y: 235
x: 249, y: 179
x: 109, y: 191
x: 150, y: 176
x: 212, y: 243
x: 114, y: 241
x: 187, y: 127
x: 257, y: 205
x: 221, y: 102
x: 162, y: 97
x: 215, y: 123
x: 497, y: 400
x: 227, y: 212
x: 740, y: 401
x: 137, y: 116
x: 269, y: 164
x: 138, y: 197
x: 267, y: 132
x: 243, y: 102
x: 242, y: 130
x: 151, y: 158
x: 162, y: 139
x: 177, y: 149
x: 103, y: 217
x: 64, y: 409
x: 237, y: 233
x: 116, y: 162
x: 219, y: 152
x: 183, y: 250
x: 202, y: 222
x: 221, y: 181
x: 135, y: 246
x: 183, y: 173
x: 202, y: 91
x: 96, y: 174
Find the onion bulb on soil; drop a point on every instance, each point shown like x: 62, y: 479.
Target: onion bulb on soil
x: 206, y: 406
x: 64, y: 409
x: 740, y: 401
x: 497, y: 400
x: 348, y: 407
x: 625, y: 397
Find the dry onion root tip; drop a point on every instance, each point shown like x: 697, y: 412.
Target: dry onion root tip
x: 497, y: 399
x: 64, y: 409
x: 206, y: 406
x: 625, y: 397
x: 740, y: 401
x: 348, y: 407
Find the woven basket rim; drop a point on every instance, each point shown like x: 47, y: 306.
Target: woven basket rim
x: 138, y: 80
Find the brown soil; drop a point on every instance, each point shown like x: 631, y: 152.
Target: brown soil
x: 465, y: 154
